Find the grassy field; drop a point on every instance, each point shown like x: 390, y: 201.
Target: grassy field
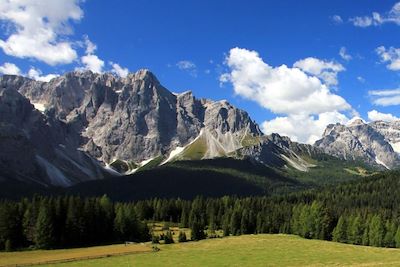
x: 40, y: 256
x: 249, y: 250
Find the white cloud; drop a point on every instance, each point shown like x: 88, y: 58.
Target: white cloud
x: 36, y: 74
x: 337, y: 19
x: 325, y: 70
x: 389, y: 97
x: 306, y: 100
x: 91, y: 61
x: 375, y: 19
x: 303, y: 128
x: 39, y: 29
x: 90, y: 47
x: 390, y: 56
x: 10, y: 68
x: 120, y: 71
x: 361, y: 79
x: 280, y: 89
x: 374, y: 115
x: 343, y: 54
x: 188, y: 66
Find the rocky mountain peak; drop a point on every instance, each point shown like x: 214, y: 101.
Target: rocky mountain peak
x: 358, y: 140
x: 356, y: 121
x: 143, y: 75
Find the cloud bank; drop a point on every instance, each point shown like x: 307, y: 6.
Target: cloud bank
x: 301, y: 92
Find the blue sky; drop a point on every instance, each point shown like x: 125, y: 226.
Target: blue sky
x: 188, y: 45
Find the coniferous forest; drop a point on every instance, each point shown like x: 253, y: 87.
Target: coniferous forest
x: 365, y: 212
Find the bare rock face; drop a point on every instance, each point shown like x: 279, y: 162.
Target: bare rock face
x: 131, y: 119
x: 280, y: 151
x: 37, y: 148
x: 361, y: 141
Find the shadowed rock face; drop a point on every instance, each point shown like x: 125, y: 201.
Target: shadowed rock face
x: 37, y: 148
x: 132, y: 119
x: 370, y: 143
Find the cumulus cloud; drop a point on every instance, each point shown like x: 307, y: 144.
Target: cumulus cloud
x: 374, y: 115
x: 39, y: 29
x: 389, y: 97
x: 390, y: 56
x: 91, y: 61
x: 325, y: 70
x: 9, y: 68
x: 36, y: 74
x: 303, y: 128
x: 280, y: 89
x: 375, y: 19
x: 337, y: 19
x: 344, y: 55
x: 117, y: 69
x: 187, y: 66
x: 284, y: 90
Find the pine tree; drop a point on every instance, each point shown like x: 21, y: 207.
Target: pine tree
x: 182, y: 237
x: 376, y: 231
x: 339, y: 233
x: 389, y: 240
x: 197, y: 231
x: 355, y: 231
x: 397, y: 237
x: 226, y: 225
x: 234, y: 226
x: 365, y: 236
x: 168, y: 239
x: 44, y: 235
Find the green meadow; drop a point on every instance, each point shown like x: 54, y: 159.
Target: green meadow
x: 246, y: 250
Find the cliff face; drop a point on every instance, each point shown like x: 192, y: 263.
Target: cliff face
x: 132, y: 119
x: 370, y: 142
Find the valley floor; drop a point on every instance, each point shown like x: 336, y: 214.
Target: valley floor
x: 246, y: 250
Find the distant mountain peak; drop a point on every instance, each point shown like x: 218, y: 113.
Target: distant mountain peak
x: 355, y: 122
x: 374, y: 143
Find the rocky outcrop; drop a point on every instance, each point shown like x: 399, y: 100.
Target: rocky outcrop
x: 361, y: 141
x: 38, y: 148
x: 133, y: 118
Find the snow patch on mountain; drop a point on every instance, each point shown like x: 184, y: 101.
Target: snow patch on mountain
x: 377, y: 160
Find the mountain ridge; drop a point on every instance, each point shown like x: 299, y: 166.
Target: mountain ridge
x: 123, y: 125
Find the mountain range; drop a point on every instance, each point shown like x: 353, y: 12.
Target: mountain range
x: 83, y: 126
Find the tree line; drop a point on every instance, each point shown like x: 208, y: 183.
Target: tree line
x: 365, y: 212
x: 46, y: 222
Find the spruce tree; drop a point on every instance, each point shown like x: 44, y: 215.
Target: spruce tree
x: 355, y: 231
x: 168, y: 239
x: 376, y: 231
x: 182, y: 237
x: 197, y: 232
x: 389, y: 240
x: 397, y: 237
x: 44, y: 234
x: 339, y: 233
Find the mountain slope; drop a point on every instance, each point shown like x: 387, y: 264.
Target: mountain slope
x: 38, y: 149
x: 361, y: 141
x: 88, y: 126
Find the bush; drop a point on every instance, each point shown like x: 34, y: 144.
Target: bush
x: 182, y: 237
x: 168, y: 239
x: 155, y: 239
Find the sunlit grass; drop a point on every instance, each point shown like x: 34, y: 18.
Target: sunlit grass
x: 248, y: 250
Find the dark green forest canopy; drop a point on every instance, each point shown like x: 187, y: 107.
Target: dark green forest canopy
x: 359, y: 212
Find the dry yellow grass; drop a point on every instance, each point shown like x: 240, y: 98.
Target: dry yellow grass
x: 62, y: 255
